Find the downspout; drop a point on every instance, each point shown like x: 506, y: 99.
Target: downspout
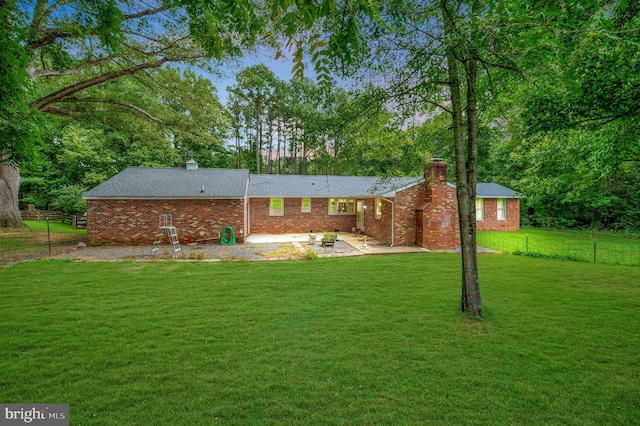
x: 247, y: 214
x: 247, y: 217
x: 393, y: 220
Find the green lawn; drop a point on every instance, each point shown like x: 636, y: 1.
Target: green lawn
x: 58, y: 227
x: 616, y: 249
x: 360, y: 340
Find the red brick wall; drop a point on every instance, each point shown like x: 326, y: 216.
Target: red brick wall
x: 491, y: 222
x: 440, y: 227
x: 406, y: 220
x: 404, y: 213
x: 436, y: 220
x: 440, y: 218
x: 318, y: 220
x: 136, y: 221
x: 379, y: 229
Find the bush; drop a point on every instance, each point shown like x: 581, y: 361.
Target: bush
x: 197, y: 255
x: 69, y: 199
x: 309, y: 254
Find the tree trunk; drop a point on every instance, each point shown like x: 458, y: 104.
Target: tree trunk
x: 466, y: 168
x: 258, y: 143
x: 9, y: 186
x: 280, y: 131
x: 269, y: 146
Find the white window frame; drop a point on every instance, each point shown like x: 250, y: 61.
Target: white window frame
x: 479, y: 208
x: 501, y: 211
x: 274, y: 212
x: 378, y: 209
x: 334, y: 204
x: 305, y: 207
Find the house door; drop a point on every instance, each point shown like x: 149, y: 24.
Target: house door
x: 360, y: 214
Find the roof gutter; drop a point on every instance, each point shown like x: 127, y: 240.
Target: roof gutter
x: 393, y: 220
x: 160, y: 198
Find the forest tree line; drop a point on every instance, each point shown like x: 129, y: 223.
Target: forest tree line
x: 561, y: 130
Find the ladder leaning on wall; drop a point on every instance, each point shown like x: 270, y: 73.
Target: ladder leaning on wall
x: 165, y: 223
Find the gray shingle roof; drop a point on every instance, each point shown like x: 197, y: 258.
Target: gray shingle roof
x: 166, y: 183
x: 493, y: 190
x: 326, y: 186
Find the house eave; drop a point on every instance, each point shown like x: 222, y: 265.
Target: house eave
x: 239, y: 197
x: 322, y: 197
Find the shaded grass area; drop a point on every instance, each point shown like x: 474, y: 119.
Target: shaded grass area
x: 34, y: 240
x: 584, y: 246
x: 362, y: 340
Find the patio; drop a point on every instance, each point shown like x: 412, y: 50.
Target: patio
x: 356, y: 242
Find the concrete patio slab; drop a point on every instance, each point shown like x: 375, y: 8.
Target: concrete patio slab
x: 357, y: 242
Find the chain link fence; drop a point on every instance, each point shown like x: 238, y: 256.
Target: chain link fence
x: 614, y: 251
x: 20, y: 246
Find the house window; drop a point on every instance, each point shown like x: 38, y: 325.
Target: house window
x: 306, y: 205
x: 276, y: 207
x: 342, y: 206
x: 479, y: 208
x: 378, y: 213
x: 502, y: 209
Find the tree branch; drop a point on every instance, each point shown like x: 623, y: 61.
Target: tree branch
x: 514, y: 67
x: 53, y: 34
x: 165, y: 47
x: 61, y: 94
x: 35, y: 74
x: 144, y: 13
x: 137, y: 110
x: 602, y: 120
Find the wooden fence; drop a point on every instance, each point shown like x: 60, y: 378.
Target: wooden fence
x: 77, y: 221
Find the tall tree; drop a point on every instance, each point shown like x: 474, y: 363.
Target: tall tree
x: 431, y: 55
x: 466, y: 151
x: 69, y: 49
x: 254, y: 90
x: 17, y: 133
x: 438, y: 46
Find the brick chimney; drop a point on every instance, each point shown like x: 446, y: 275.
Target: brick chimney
x: 437, y: 219
x: 434, y: 173
x: 436, y: 170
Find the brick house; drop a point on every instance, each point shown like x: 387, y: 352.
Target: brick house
x: 397, y: 211
x: 126, y: 208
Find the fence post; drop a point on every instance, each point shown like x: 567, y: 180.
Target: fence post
x: 48, y: 235
x: 594, y: 251
x: 527, y: 244
x: 74, y: 221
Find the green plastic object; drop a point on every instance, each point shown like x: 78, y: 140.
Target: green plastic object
x: 227, y: 239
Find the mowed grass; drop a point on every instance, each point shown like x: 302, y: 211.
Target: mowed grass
x: 35, y: 227
x: 616, y: 249
x: 362, y: 340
